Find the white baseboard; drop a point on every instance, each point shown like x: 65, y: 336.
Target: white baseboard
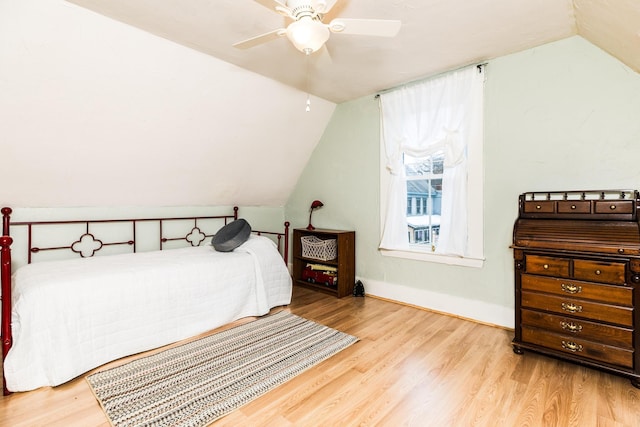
x: 467, y: 308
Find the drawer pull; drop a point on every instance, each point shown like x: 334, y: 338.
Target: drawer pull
x: 571, y: 327
x: 598, y: 272
x: 621, y: 250
x: 612, y: 207
x: 538, y: 207
x: 546, y: 266
x: 571, y: 346
x: 573, y: 206
x: 571, y: 288
x: 571, y: 308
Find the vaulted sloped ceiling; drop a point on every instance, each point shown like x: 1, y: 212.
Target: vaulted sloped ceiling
x: 99, y: 113
x: 102, y: 104
x: 612, y: 25
x: 436, y: 35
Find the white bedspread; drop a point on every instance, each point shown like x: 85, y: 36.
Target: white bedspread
x: 72, y: 316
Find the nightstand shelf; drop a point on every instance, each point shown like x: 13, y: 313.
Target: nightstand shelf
x: 343, y: 265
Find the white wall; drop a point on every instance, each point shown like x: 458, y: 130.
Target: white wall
x: 96, y: 113
x: 563, y: 116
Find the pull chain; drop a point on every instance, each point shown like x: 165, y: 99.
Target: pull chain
x: 308, y: 53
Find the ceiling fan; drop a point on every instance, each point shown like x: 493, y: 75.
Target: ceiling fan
x: 308, y: 33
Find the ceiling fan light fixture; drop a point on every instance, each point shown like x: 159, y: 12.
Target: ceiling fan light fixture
x: 308, y: 34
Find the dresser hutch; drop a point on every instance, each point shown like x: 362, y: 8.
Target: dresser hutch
x: 577, y: 278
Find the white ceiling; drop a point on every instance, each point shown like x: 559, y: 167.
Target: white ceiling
x: 436, y: 36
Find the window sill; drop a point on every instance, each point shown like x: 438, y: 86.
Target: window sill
x: 436, y: 258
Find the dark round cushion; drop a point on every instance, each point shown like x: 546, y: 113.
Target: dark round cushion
x: 231, y: 236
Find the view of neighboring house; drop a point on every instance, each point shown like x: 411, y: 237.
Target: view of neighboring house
x: 424, y: 199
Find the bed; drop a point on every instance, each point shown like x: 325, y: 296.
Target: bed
x: 64, y: 317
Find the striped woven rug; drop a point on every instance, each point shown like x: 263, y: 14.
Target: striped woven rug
x: 196, y: 383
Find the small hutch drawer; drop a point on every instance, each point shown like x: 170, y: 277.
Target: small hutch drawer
x: 574, y: 206
x: 549, y: 266
x: 614, y: 206
x: 541, y: 206
x: 598, y: 271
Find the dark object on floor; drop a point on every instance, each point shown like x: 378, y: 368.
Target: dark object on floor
x: 358, y: 289
x: 231, y: 236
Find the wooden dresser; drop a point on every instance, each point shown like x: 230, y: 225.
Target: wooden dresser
x: 577, y: 278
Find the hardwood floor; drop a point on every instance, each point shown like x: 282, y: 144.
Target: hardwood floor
x: 411, y: 367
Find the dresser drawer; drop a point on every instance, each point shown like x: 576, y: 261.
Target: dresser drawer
x: 609, y: 294
x: 598, y: 271
x: 574, y: 206
x: 542, y: 206
x: 549, y: 266
x: 579, y: 347
x: 614, y: 206
x: 578, y: 308
x: 581, y: 329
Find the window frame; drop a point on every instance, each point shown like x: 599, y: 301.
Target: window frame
x: 475, y: 204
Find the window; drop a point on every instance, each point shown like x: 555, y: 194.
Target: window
x: 424, y: 198
x: 431, y: 169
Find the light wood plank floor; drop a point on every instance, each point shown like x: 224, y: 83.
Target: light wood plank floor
x: 411, y: 367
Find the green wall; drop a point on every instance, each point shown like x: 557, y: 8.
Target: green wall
x: 563, y: 116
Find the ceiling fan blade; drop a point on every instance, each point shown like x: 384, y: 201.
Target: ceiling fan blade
x: 262, y: 38
x: 271, y: 4
x: 366, y: 27
x: 322, y: 6
x: 276, y: 5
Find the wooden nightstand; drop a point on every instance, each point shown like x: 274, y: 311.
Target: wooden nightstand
x: 343, y: 265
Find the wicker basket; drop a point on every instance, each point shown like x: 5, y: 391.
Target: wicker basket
x: 316, y: 248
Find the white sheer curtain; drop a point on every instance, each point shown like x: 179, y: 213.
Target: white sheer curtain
x: 441, y: 114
